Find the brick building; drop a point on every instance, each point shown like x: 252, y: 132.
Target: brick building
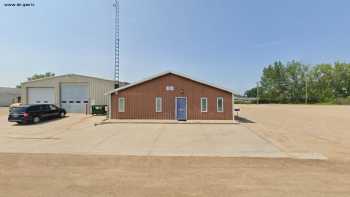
x: 171, y: 96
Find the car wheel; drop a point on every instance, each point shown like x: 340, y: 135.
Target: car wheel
x: 36, y: 119
x: 62, y: 114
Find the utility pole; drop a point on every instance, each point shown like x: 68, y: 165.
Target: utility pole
x: 257, y: 93
x: 306, y: 93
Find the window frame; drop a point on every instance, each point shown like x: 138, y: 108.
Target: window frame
x: 53, y: 107
x: 121, y: 110
x: 206, y: 104
x: 217, y: 104
x: 160, y: 99
x: 34, y: 108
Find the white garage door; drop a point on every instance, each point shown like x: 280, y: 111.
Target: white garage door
x: 74, y: 97
x: 41, y: 96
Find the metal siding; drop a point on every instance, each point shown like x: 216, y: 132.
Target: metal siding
x: 6, y: 99
x: 8, y: 96
x: 74, y: 92
x: 140, y: 100
x: 97, y: 87
x: 41, y: 95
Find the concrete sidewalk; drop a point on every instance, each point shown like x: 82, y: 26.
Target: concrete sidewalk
x: 134, y: 121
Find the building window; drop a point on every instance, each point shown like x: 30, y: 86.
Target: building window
x: 204, y: 104
x: 158, y: 104
x: 121, y: 104
x: 169, y: 88
x: 220, y: 104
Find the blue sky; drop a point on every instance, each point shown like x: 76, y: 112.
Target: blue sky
x: 227, y: 42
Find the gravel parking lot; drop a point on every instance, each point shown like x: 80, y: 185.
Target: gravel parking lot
x: 100, y: 168
x: 322, y: 129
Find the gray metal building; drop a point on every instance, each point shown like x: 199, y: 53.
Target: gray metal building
x: 9, y: 96
x: 75, y: 93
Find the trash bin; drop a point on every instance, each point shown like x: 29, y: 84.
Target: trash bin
x: 98, y: 109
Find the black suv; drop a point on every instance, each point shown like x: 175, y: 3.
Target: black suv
x: 35, y: 113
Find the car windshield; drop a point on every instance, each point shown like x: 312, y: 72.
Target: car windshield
x: 18, y: 109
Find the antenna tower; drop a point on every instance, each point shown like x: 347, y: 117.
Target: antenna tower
x: 116, y: 44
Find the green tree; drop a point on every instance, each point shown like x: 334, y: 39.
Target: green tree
x: 40, y: 76
x: 326, y: 83
x: 251, y: 93
x: 296, y: 73
x: 341, y: 79
x: 322, y: 83
x: 274, y: 85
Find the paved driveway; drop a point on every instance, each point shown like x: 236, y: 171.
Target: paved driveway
x: 183, y: 140
x: 77, y: 134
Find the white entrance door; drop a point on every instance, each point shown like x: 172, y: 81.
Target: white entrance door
x: 41, y: 96
x: 74, y: 97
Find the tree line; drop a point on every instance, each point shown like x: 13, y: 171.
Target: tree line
x: 38, y: 76
x: 295, y: 82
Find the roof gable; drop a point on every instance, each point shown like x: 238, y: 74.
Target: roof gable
x: 174, y: 73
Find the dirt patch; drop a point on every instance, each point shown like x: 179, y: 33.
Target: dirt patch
x: 77, y: 175
x: 303, y: 128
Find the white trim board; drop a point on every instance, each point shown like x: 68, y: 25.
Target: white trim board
x: 206, y: 104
